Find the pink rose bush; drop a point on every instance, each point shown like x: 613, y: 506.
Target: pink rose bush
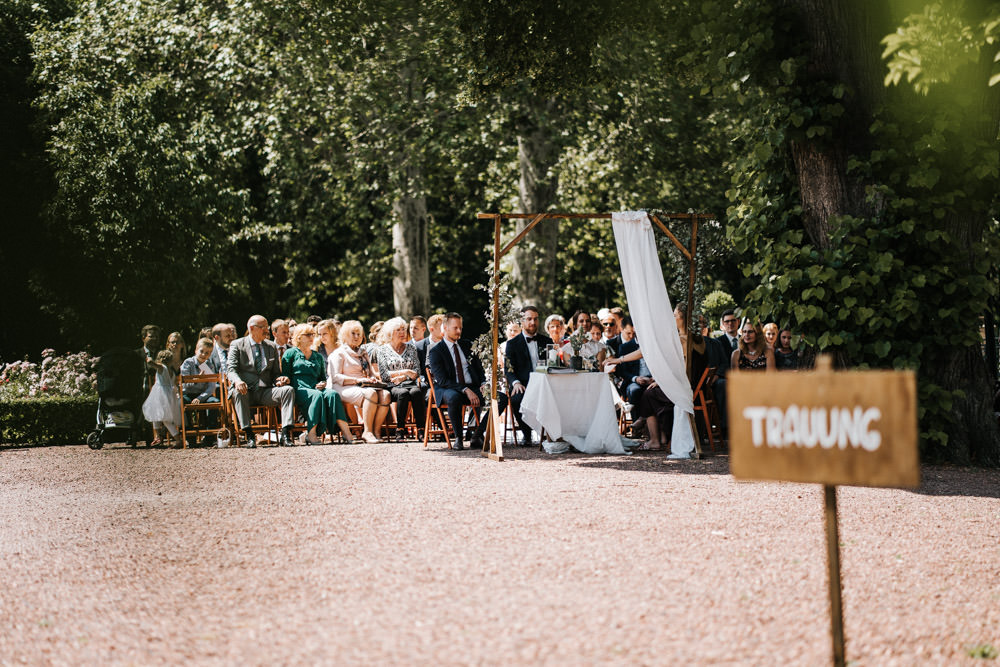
x: 66, y: 375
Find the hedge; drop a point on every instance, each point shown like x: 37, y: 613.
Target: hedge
x: 47, y: 421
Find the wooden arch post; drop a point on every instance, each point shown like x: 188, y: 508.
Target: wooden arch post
x: 493, y: 447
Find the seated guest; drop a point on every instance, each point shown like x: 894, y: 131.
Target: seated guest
x: 281, y: 332
x: 200, y: 392
x: 314, y: 320
x: 206, y: 332
x: 612, y: 332
x: 629, y: 379
x: 347, y: 369
x: 322, y: 406
x: 595, y: 347
x: 325, y: 340
x: 522, y: 356
x: 655, y: 408
x: 752, y: 354
x: 771, y: 334
x: 512, y: 330
x: 555, y: 326
x: 427, y: 342
x: 399, y: 366
x: 418, y: 328
x: 730, y: 323
x: 580, y: 320
x: 458, y: 377
x: 222, y: 338
x: 254, y: 375
x: 196, y: 393
x: 718, y: 356
x: 785, y: 357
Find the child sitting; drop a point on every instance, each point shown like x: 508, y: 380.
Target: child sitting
x: 201, y: 392
x: 163, y: 406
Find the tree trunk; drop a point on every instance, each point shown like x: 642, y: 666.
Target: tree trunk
x: 411, y: 294
x: 534, y: 260
x: 844, y: 46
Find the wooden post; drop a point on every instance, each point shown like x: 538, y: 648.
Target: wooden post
x: 493, y: 442
x: 833, y: 558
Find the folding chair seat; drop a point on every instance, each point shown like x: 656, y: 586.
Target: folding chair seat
x: 200, y: 412
x: 446, y: 428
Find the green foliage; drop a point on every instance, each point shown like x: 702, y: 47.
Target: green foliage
x: 715, y: 303
x: 932, y: 46
x: 983, y: 651
x: 59, y: 420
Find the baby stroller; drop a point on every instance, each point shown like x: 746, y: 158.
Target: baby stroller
x: 119, y: 388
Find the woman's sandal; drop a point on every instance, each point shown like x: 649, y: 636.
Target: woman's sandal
x: 156, y: 442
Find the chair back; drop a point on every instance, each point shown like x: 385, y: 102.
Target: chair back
x: 199, y: 427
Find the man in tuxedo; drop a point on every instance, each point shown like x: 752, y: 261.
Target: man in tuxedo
x: 458, y: 376
x: 523, y: 353
x: 730, y: 323
x: 255, y: 377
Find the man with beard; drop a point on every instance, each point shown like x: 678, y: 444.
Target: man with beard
x: 523, y: 353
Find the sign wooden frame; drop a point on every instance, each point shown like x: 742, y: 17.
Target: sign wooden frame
x: 855, y: 428
x: 493, y: 446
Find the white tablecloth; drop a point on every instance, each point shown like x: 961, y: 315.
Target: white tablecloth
x: 577, y: 407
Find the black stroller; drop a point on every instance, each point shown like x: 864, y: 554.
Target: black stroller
x: 119, y: 388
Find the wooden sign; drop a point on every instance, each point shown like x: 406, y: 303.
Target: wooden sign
x: 856, y: 428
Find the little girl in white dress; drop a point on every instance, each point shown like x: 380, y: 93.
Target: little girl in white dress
x: 163, y: 405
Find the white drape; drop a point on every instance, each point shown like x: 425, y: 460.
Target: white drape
x: 653, y: 319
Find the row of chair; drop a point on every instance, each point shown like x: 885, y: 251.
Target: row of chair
x: 265, y: 419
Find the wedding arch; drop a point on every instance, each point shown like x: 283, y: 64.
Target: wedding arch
x: 493, y: 447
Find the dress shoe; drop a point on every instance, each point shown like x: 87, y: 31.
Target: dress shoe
x: 476, y: 442
x: 457, y: 445
x: 251, y: 441
x: 526, y: 440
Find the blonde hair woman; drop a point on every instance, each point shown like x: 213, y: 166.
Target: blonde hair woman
x: 752, y: 352
x: 325, y: 340
x: 347, y: 369
x: 771, y: 334
x: 322, y: 406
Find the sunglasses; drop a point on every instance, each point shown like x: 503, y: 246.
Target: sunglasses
x: 608, y: 325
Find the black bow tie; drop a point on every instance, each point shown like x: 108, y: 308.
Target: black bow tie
x: 530, y: 339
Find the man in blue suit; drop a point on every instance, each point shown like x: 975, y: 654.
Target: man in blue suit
x: 458, y: 375
x: 523, y: 354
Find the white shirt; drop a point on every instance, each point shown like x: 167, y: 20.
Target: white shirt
x: 532, y: 349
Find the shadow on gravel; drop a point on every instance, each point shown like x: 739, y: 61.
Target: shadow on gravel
x: 955, y: 481
x: 655, y: 462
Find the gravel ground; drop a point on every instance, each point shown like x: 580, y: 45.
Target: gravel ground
x: 390, y: 554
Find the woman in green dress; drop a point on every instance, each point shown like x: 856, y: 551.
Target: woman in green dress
x: 323, y: 408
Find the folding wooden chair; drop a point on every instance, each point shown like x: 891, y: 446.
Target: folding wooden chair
x: 200, y: 411
x: 447, y: 428
x: 704, y: 404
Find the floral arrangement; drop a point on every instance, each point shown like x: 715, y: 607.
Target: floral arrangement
x: 578, y: 338
x: 68, y: 375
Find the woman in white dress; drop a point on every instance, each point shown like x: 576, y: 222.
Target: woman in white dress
x: 347, y: 369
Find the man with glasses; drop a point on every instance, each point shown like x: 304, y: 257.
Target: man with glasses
x: 254, y: 371
x: 611, y: 324
x: 730, y: 323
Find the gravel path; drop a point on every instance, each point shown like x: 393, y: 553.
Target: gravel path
x: 389, y: 554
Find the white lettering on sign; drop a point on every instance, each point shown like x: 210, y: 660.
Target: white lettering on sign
x: 805, y: 427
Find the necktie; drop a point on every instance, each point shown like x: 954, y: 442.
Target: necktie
x: 259, y: 356
x: 458, y: 364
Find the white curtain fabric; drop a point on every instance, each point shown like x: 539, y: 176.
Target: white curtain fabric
x: 653, y: 319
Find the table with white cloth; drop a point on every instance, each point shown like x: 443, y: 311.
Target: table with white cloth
x: 578, y: 408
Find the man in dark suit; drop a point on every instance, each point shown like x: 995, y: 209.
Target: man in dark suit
x: 254, y: 372
x: 730, y: 336
x: 150, y: 337
x: 523, y: 353
x: 718, y: 355
x: 632, y: 376
x: 458, y: 375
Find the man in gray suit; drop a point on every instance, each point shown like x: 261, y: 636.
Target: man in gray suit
x: 254, y: 374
